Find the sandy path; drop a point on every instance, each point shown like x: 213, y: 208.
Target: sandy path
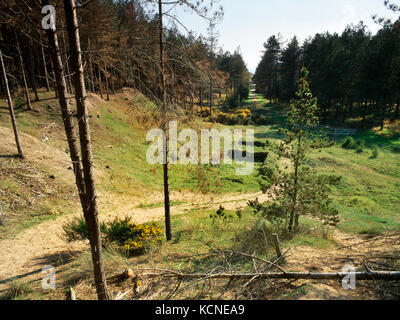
x: 27, y: 253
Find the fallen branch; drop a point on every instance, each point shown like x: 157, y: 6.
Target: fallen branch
x: 272, y: 264
x: 376, y: 275
x: 370, y: 240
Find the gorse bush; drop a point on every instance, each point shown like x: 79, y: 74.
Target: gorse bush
x: 375, y: 152
x: 349, y: 143
x: 360, y: 145
x: 203, y: 112
x: 137, y: 238
x: 133, y: 238
x: 240, y: 117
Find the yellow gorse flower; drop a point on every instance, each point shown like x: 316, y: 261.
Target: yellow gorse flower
x: 142, y: 235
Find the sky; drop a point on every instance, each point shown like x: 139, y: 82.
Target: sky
x: 249, y: 23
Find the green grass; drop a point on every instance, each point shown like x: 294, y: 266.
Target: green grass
x: 119, y: 129
x: 368, y: 197
x: 17, y: 290
x: 121, y: 147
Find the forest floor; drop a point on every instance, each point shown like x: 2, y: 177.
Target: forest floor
x: 38, y: 199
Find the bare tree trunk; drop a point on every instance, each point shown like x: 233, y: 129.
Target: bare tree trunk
x: 32, y: 74
x: 107, y: 86
x: 65, y: 55
x: 11, y: 109
x: 21, y: 63
x: 91, y: 215
x: 293, y: 215
x: 167, y: 203
x: 92, y: 78
x: 54, y: 75
x: 211, y: 95
x: 192, y: 102
x: 112, y: 81
x: 100, y: 87
x: 46, y: 75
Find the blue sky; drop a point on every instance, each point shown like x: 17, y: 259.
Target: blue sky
x: 249, y: 23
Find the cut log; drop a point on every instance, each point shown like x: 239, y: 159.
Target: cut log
x: 277, y: 245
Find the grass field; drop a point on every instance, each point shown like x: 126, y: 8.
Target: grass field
x: 368, y: 198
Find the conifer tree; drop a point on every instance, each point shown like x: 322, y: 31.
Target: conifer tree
x: 298, y: 189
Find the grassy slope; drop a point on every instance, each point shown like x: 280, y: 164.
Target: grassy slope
x: 369, y: 196
x: 119, y: 129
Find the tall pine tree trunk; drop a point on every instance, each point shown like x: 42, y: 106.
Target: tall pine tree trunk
x: 54, y: 77
x: 46, y: 74
x: 167, y: 203
x: 211, y: 95
x: 107, y: 86
x: 364, y: 115
x: 67, y: 115
x: 11, y: 109
x: 91, y: 215
x: 92, y: 78
x: 32, y: 73
x: 21, y: 64
x: 112, y: 81
x: 65, y: 56
x: 294, y: 217
x: 383, y: 114
x: 100, y: 86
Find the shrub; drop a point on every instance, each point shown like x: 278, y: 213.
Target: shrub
x: 349, y: 143
x: 360, y: 145
x: 240, y: 117
x: 233, y: 101
x: 75, y: 230
x: 375, y: 152
x: 260, y: 120
x: 137, y: 238
x: 127, y: 235
x: 203, y: 112
x: 220, y: 215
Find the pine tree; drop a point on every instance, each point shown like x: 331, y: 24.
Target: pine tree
x: 298, y: 189
x: 91, y: 212
x: 11, y: 108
